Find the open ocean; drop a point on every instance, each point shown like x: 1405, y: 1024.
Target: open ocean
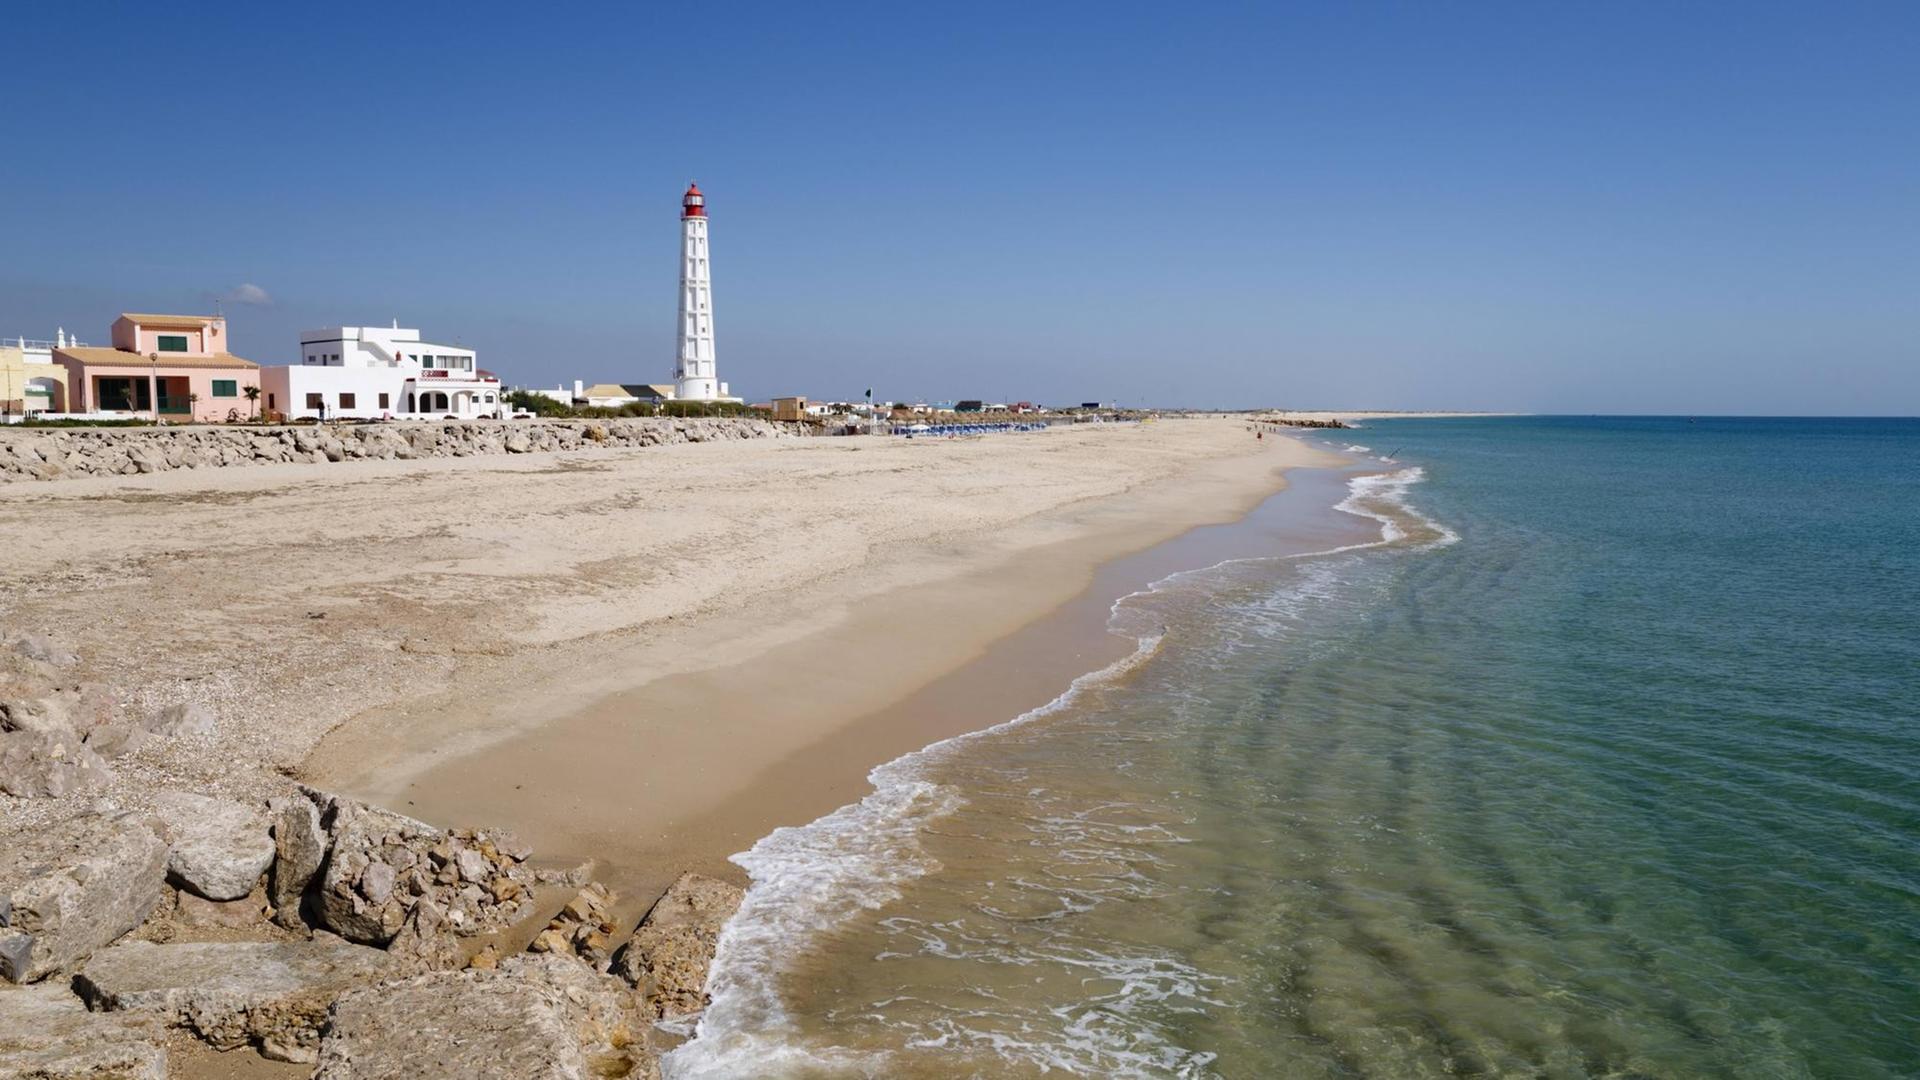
x: 1605, y: 762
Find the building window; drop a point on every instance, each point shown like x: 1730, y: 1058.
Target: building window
x: 346, y: 401
x: 383, y: 401
x: 226, y: 388
x: 314, y: 401
x: 171, y: 343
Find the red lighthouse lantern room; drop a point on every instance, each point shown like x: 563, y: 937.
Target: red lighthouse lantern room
x: 693, y: 204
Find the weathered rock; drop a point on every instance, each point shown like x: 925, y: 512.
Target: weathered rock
x: 191, y: 718
x: 377, y: 881
x: 380, y: 864
x: 112, y: 740
x: 531, y: 1018
x: 41, y: 714
x: 148, y: 459
x: 298, y: 848
x: 74, y: 708
x: 72, y: 888
x: 358, y: 836
x: 511, y: 846
x: 43, y: 765
x: 472, y: 864
x: 42, y: 648
x: 667, y: 958
x: 575, y: 876
x: 46, y: 1033
x: 583, y: 929
x: 220, y: 848
x: 425, y: 941
x: 191, y: 910
x: 272, y: 994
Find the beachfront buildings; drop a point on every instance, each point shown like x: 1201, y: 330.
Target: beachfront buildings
x: 30, y: 382
x: 168, y: 366
x: 695, y: 376
x: 380, y: 372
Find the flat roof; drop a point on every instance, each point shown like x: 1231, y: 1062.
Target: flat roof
x: 340, y: 333
x: 168, y: 320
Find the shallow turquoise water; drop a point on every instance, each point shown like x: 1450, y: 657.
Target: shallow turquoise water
x: 1611, y: 768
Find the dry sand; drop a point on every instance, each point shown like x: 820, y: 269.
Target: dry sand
x: 644, y: 655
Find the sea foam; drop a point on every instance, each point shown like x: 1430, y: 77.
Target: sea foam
x: 809, y: 879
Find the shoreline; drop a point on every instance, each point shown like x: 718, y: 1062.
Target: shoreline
x: 644, y: 660
x: 782, y: 725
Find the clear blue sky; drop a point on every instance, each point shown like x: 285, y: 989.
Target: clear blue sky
x: 1606, y: 207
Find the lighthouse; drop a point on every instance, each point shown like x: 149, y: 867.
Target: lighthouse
x: 693, y: 368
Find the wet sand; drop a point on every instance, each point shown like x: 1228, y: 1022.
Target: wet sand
x: 655, y: 765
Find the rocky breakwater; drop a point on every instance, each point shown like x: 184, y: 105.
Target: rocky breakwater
x: 307, y: 927
x: 54, y: 453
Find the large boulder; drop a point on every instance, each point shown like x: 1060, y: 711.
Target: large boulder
x: 47, y: 1034
x: 273, y: 994
x: 191, y: 718
x: 48, y: 765
x: 44, y: 649
x: 220, y: 848
x: 380, y: 864
x: 362, y: 897
x: 299, y: 846
x: 667, y: 958
x: 531, y: 1018
x: 112, y: 740
x: 32, y: 714
x: 57, y: 711
x: 72, y: 887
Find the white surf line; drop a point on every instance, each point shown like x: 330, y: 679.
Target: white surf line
x: 809, y: 878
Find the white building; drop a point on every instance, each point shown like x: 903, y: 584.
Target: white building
x: 564, y: 394
x: 379, y: 372
x: 693, y: 366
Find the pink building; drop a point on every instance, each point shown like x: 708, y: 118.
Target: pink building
x: 180, y: 360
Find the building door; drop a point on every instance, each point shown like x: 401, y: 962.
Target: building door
x: 119, y: 393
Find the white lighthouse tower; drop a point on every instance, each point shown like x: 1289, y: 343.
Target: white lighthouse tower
x: 693, y: 367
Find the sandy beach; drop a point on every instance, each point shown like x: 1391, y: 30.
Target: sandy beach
x: 647, y: 657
